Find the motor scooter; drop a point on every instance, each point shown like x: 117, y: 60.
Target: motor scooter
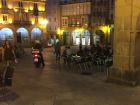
x: 36, y: 57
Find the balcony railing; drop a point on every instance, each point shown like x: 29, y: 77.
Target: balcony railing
x: 72, y: 2
x: 5, y: 10
x: 19, y: 22
x: 35, y: 0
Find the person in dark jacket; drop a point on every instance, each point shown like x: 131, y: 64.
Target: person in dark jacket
x: 38, y: 46
x: 9, y: 54
x: 80, y: 46
x: 57, y: 51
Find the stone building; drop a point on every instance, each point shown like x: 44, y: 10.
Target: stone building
x: 75, y: 20
x: 103, y: 20
x: 22, y: 20
x: 87, y: 21
x: 126, y: 65
x: 53, y: 16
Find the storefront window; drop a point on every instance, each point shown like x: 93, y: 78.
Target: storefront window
x: 85, y: 37
x: 23, y: 31
x: 36, y: 33
x: 83, y: 41
x: 6, y: 33
x: 77, y: 40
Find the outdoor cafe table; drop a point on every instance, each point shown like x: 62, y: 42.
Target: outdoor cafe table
x: 76, y: 58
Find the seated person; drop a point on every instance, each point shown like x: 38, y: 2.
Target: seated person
x: 80, y: 53
x: 68, y: 51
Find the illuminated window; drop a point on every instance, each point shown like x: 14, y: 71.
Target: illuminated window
x: 20, y: 4
x: 35, y: 9
x: 65, y: 21
x: 36, y: 33
x: 4, y: 18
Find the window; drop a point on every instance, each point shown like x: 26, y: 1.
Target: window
x: 20, y: 4
x: 3, y: 2
x: 54, y: 19
x: 49, y: 19
x: 83, y: 20
x: 50, y: 28
x: 55, y: 28
x: 35, y: 12
x: 4, y: 18
x: 64, y: 21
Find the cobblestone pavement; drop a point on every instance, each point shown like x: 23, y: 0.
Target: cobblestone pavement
x: 55, y: 85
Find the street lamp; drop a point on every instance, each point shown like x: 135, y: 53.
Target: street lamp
x: 44, y: 22
x: 60, y: 32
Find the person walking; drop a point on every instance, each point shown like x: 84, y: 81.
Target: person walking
x: 8, y: 53
x: 80, y: 46
x: 57, y: 51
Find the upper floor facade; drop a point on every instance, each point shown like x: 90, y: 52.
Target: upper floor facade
x: 53, y: 15
x: 103, y: 12
x: 25, y: 12
x: 75, y: 13
x: 86, y: 12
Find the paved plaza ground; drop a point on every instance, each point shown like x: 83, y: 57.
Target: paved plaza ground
x: 56, y: 85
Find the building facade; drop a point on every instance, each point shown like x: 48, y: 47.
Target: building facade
x: 88, y: 21
x: 103, y: 20
x: 53, y: 16
x: 75, y: 21
x: 126, y: 58
x: 22, y: 20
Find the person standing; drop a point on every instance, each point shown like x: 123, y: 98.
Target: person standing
x: 9, y: 54
x: 57, y: 51
x: 80, y: 46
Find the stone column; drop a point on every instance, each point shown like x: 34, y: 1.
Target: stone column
x: 15, y: 38
x: 69, y: 38
x: 126, y: 59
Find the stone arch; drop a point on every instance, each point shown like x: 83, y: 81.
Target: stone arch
x: 86, y: 37
x: 99, y: 36
x: 76, y: 37
x: 13, y: 28
x: 36, y: 33
x: 6, y: 34
x: 23, y: 31
x: 10, y: 27
x: 23, y: 35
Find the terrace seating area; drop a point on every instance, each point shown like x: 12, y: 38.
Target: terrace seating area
x: 86, y: 60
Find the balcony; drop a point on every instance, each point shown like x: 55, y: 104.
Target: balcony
x: 34, y: 1
x: 75, y: 25
x: 73, y: 2
x: 23, y: 23
x: 5, y: 10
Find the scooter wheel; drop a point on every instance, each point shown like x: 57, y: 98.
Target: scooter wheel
x: 37, y: 65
